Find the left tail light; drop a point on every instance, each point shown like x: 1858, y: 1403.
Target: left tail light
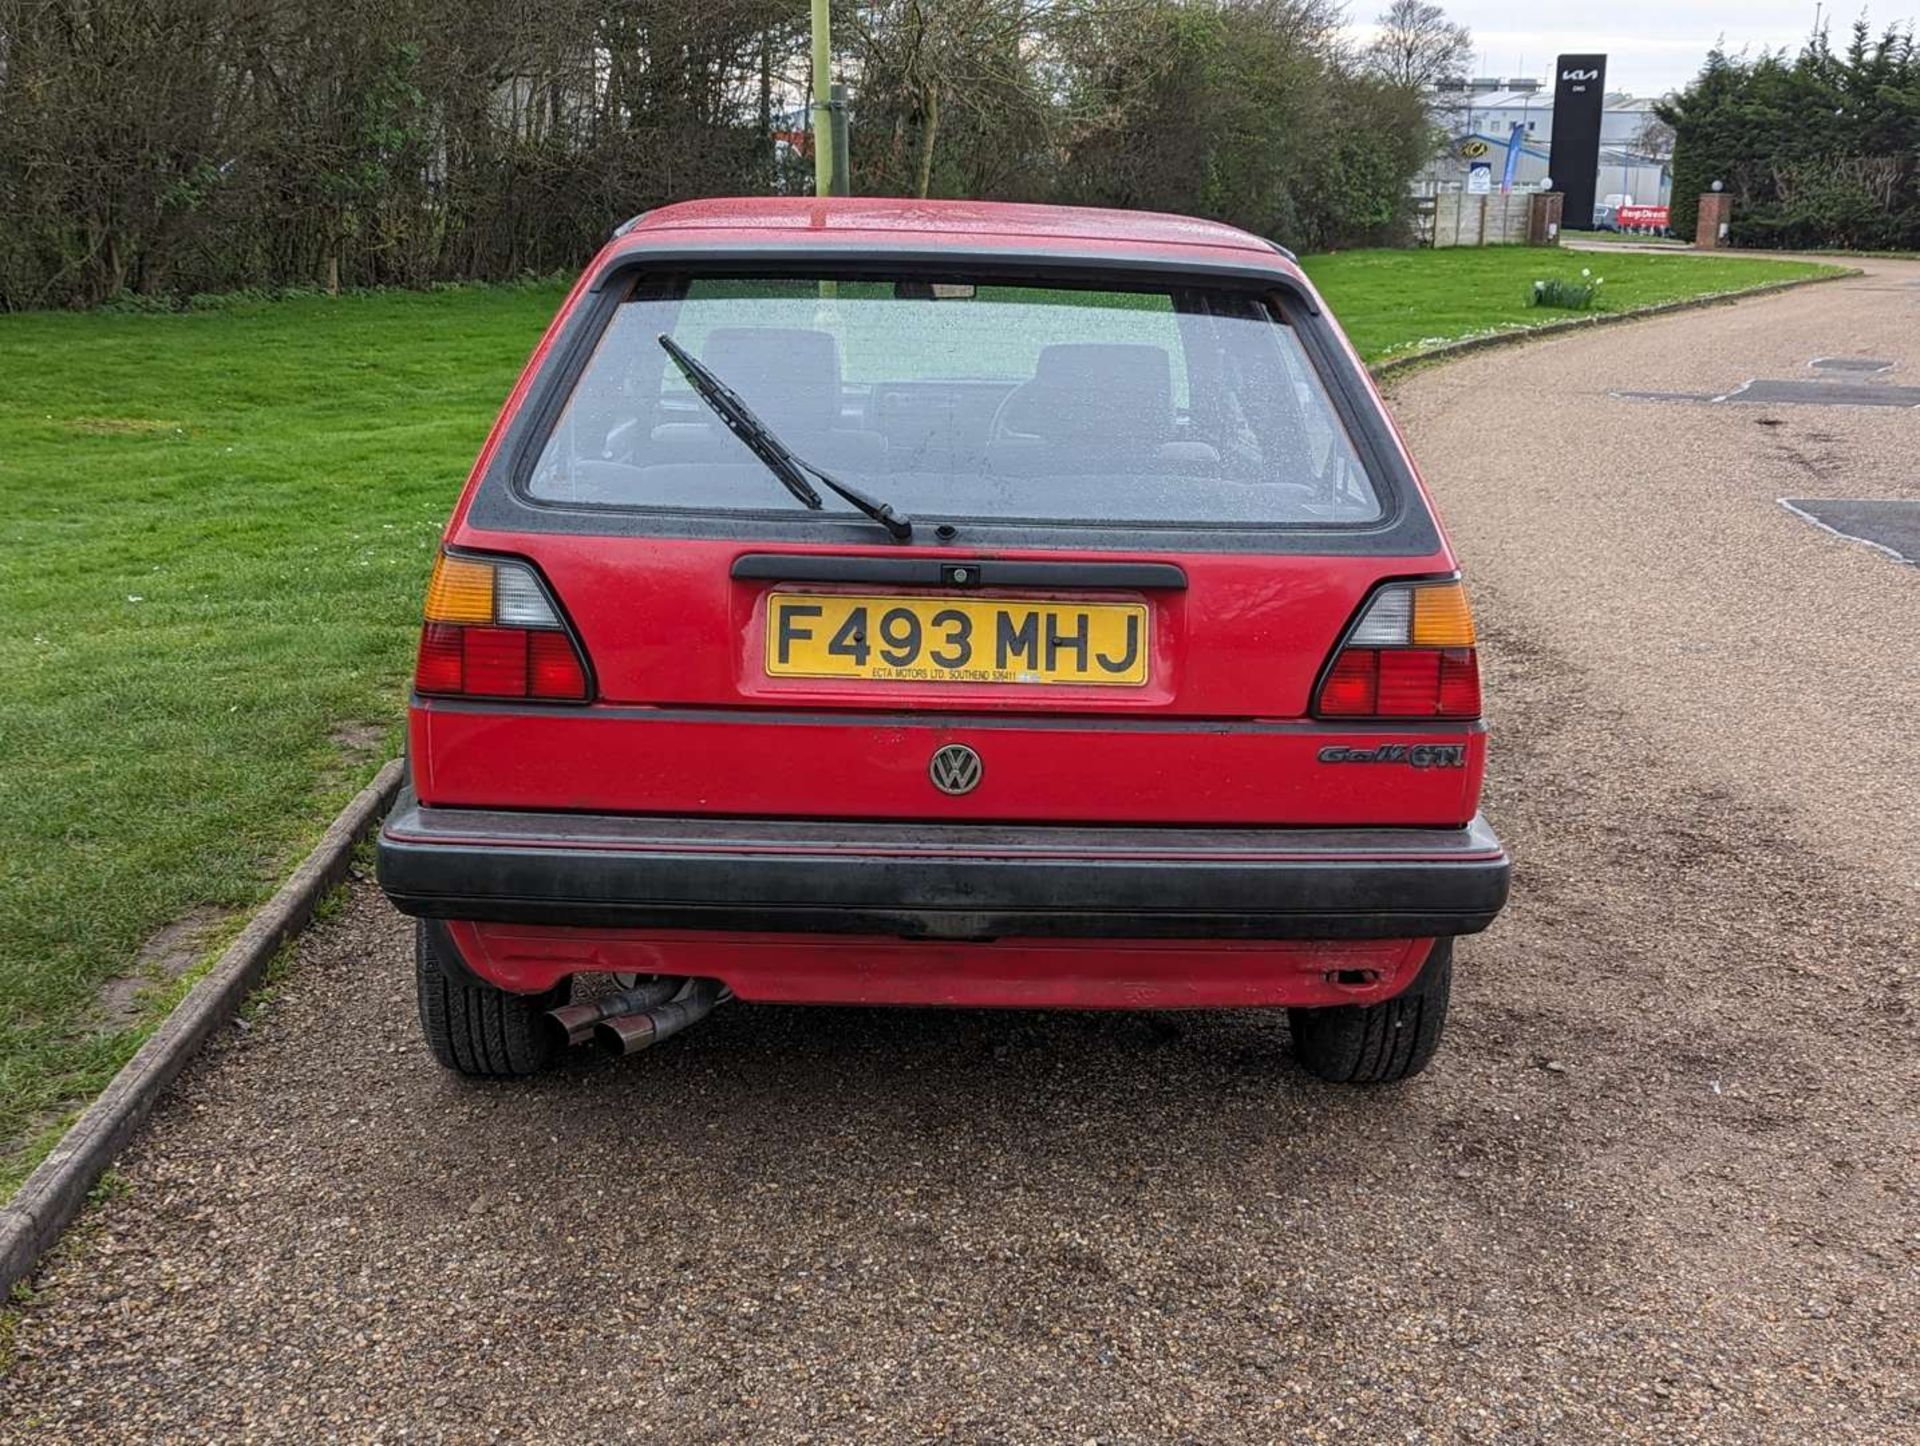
x: 492, y: 631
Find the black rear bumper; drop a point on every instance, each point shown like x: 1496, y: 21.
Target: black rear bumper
x: 941, y: 881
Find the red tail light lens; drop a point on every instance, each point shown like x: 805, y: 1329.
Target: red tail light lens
x: 492, y: 631
x: 1411, y: 655
x: 442, y: 667
x: 1353, y: 683
x: 1460, y: 683
x: 554, y: 669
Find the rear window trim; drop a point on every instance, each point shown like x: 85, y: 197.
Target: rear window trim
x: 1292, y: 307
x: 502, y: 501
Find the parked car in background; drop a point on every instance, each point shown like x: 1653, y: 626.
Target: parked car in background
x: 942, y: 603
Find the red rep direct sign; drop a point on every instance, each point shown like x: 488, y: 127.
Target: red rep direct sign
x: 1641, y: 218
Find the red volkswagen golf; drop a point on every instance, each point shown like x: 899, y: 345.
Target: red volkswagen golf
x: 938, y: 603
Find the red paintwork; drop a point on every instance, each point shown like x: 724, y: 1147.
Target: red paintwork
x: 844, y: 767
x: 686, y: 722
x: 1244, y: 640
x: 666, y: 626
x: 936, y: 223
x: 1013, y: 973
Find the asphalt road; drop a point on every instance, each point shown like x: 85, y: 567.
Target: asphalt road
x: 1661, y: 1183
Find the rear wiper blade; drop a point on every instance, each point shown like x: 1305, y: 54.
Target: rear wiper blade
x: 792, y: 471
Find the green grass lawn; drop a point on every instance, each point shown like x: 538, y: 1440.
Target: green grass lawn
x: 217, y: 529
x: 1395, y: 302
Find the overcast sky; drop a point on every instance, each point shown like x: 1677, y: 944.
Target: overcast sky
x: 1651, y: 46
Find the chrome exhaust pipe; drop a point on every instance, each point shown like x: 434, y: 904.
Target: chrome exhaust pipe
x: 573, y: 1023
x: 630, y: 1033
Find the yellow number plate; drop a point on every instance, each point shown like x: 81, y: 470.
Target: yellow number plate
x: 955, y: 640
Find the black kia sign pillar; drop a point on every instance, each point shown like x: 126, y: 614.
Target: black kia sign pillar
x: 1579, y: 91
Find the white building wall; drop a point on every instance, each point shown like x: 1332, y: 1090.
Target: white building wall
x: 1492, y: 116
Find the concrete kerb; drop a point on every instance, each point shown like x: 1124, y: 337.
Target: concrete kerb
x: 1448, y: 350
x: 55, y: 1191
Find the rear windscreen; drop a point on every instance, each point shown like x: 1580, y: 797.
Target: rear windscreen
x: 955, y: 399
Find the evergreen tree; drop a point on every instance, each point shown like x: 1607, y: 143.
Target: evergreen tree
x: 1819, y: 151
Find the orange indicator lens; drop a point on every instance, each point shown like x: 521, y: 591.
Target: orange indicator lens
x: 461, y: 592
x: 1441, y: 618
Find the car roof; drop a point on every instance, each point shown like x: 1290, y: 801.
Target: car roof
x: 936, y: 223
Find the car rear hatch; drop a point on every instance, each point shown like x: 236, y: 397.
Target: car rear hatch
x: 1146, y: 514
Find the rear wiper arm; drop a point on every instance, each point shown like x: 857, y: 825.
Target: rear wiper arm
x: 792, y: 471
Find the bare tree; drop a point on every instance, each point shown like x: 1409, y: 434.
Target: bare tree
x: 1654, y: 139
x: 168, y: 147
x: 1418, y: 46
x: 956, y: 89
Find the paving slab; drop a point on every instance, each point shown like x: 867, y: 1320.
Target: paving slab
x: 1892, y: 525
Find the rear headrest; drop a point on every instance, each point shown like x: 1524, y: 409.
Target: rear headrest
x: 789, y: 375
x: 1111, y: 392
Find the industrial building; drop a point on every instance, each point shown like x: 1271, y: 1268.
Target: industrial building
x: 1479, y: 116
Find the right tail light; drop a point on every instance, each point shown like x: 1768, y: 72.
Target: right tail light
x: 1411, y: 655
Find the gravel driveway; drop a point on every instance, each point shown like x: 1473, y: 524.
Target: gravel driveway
x: 1661, y: 1183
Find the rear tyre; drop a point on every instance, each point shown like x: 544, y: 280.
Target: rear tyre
x: 1378, y: 1043
x: 473, y: 1028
